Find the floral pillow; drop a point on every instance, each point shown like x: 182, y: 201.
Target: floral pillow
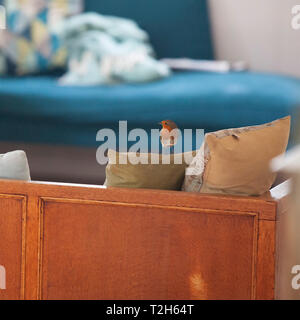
x: 30, y: 43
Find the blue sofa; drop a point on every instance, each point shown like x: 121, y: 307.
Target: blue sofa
x: 36, y: 109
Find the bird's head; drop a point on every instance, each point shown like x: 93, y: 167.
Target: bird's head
x: 168, y: 124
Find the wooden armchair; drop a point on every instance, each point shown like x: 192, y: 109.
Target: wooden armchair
x: 61, y: 241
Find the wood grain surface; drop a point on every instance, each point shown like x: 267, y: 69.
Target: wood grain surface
x: 62, y: 241
x: 12, y: 242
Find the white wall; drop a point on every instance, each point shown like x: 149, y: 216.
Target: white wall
x: 257, y: 31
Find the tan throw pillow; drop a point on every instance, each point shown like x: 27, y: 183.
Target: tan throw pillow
x: 237, y: 161
x: 146, y: 174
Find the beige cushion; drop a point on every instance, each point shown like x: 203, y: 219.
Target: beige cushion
x: 14, y: 165
x: 237, y: 161
x: 149, y: 176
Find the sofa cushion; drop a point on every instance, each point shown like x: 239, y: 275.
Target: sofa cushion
x: 14, y: 165
x: 177, y: 28
x: 237, y: 161
x: 146, y: 170
x: 38, y: 109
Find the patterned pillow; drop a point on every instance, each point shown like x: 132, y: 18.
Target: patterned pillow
x: 30, y: 43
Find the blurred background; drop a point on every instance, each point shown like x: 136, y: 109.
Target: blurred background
x: 68, y: 69
x: 258, y: 32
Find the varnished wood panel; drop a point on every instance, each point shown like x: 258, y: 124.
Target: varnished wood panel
x: 266, y: 260
x: 96, y: 250
x: 12, y: 242
x: 80, y: 242
x: 32, y: 247
x: 265, y: 206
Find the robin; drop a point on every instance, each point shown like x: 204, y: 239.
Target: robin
x: 168, y: 133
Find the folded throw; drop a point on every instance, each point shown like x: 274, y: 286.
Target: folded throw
x: 107, y: 50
